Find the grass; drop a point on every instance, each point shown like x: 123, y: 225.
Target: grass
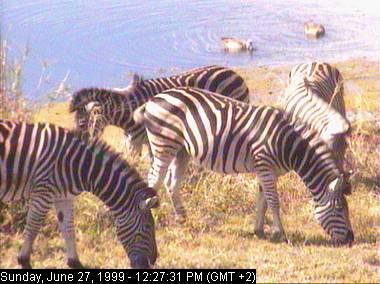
x: 13, y: 104
x: 221, y: 209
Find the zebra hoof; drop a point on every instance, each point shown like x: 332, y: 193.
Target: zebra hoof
x: 74, y: 263
x: 278, y: 237
x: 24, y: 262
x: 260, y: 233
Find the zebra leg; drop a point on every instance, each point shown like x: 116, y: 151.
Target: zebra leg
x: 39, y: 205
x: 268, y: 183
x: 158, y: 171
x: 64, y: 209
x: 173, y: 182
x: 261, y: 205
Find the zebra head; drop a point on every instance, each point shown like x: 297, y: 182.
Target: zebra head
x: 81, y: 119
x: 84, y: 116
x: 80, y: 98
x: 136, y: 230
x: 333, y: 212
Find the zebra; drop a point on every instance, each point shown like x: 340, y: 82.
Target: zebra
x: 97, y: 108
x: 315, y: 95
x: 48, y: 164
x: 230, y: 137
x: 88, y: 126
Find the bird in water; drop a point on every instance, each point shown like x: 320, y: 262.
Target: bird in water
x: 237, y: 45
x: 314, y: 30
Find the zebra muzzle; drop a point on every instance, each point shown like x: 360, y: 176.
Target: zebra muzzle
x: 350, y: 238
x: 139, y: 261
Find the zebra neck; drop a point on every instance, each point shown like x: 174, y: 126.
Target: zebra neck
x: 150, y: 88
x: 110, y: 178
x: 316, y: 168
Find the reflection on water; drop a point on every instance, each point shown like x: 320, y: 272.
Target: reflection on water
x: 100, y: 42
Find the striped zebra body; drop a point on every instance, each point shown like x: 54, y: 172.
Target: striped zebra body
x: 315, y: 96
x: 233, y: 137
x: 118, y: 104
x: 47, y: 165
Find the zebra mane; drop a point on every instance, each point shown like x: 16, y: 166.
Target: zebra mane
x: 98, y: 146
x: 304, y: 130
x: 137, y: 79
x: 310, y: 135
x: 311, y: 84
x: 86, y: 95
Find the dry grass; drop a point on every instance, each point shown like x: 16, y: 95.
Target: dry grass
x: 13, y: 103
x: 221, y: 213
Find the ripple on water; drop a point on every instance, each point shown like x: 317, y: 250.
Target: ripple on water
x: 96, y: 40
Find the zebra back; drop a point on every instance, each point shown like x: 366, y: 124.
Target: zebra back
x: 117, y: 110
x: 213, y: 127
x: 213, y: 78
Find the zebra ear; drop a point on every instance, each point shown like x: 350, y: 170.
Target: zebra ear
x: 150, y: 199
x: 136, y: 79
x: 335, y: 192
x: 150, y: 202
x: 336, y: 185
x: 90, y: 106
x: 350, y: 174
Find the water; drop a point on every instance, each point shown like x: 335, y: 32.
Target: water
x: 99, y: 43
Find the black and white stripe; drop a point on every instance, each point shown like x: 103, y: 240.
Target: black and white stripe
x: 47, y: 165
x: 315, y: 95
x: 117, y: 105
x: 230, y: 137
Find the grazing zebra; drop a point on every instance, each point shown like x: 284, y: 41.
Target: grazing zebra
x: 315, y: 96
x: 230, y: 137
x: 117, y: 105
x: 48, y: 164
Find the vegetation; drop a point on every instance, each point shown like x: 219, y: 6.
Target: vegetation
x: 221, y: 209
x: 13, y: 104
